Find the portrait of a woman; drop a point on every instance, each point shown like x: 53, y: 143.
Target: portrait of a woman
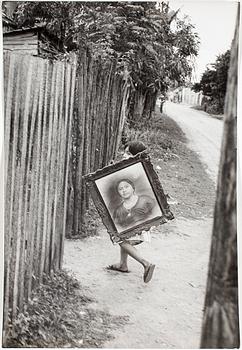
x: 133, y: 208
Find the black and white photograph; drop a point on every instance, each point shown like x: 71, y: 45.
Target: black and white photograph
x: 120, y: 174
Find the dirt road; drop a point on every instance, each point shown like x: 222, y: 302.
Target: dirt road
x: 167, y: 312
x: 203, y: 132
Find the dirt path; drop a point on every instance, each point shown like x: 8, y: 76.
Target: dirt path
x: 203, y: 132
x: 167, y: 312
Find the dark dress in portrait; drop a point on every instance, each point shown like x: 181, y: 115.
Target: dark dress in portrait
x: 139, y: 212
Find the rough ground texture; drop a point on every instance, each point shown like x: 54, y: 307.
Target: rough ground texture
x: 58, y: 315
x: 114, y: 310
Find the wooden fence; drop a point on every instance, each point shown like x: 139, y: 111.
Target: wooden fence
x: 100, y: 110
x: 54, y: 112
x: 39, y: 99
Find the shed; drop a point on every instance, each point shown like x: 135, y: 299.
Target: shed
x: 34, y: 41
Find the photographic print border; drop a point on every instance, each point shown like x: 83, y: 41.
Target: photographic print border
x: 102, y: 209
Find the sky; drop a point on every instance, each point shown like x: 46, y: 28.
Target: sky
x: 214, y: 22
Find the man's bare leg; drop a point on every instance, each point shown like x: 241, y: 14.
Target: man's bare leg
x: 127, y: 249
x: 123, y: 265
x: 133, y: 252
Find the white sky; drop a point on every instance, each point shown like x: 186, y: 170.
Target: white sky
x: 214, y: 22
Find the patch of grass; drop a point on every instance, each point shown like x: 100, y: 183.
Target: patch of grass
x: 59, y: 315
x: 213, y: 115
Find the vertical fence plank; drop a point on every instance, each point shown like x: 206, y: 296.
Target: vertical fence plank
x: 85, y: 141
x: 46, y: 201
x: 80, y: 91
x: 9, y: 179
x: 68, y: 144
x: 20, y: 236
x: 42, y: 172
x: 52, y: 175
x: 32, y: 110
x: 35, y: 186
x: 95, y: 116
x: 8, y: 112
x: 58, y: 167
x: 101, y: 92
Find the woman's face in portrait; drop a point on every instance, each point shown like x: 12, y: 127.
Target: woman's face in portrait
x: 125, y: 190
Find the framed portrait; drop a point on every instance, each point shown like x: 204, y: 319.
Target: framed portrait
x: 129, y: 197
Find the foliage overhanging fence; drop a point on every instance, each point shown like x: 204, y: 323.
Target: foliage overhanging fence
x: 54, y: 112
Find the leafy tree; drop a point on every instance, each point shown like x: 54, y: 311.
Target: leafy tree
x: 214, y: 81
x: 148, y: 40
x: 140, y: 35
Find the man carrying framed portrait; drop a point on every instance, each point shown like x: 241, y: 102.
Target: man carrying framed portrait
x: 130, y: 200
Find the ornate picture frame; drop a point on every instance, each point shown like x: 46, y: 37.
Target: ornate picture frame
x: 128, y: 197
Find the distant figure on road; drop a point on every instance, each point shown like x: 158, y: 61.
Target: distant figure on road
x: 162, y: 100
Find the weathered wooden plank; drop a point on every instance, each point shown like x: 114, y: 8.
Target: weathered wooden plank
x: 7, y: 113
x: 58, y: 175
x: 95, y: 115
x: 53, y: 168
x: 68, y: 143
x: 20, y: 236
x: 35, y: 185
x: 42, y: 172
x: 111, y: 117
x: 83, y: 160
x: 32, y: 110
x: 122, y: 114
x: 80, y: 146
x: 108, y: 114
x: 93, y: 102
x: 66, y: 172
x: 19, y: 48
x: 104, y: 112
x: 13, y: 194
x: 23, y: 36
x: 47, y: 175
x: 9, y: 192
x: 21, y: 52
x: 87, y: 126
x: 18, y: 43
x: 101, y: 92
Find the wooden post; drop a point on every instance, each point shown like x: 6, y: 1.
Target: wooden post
x: 220, y: 327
